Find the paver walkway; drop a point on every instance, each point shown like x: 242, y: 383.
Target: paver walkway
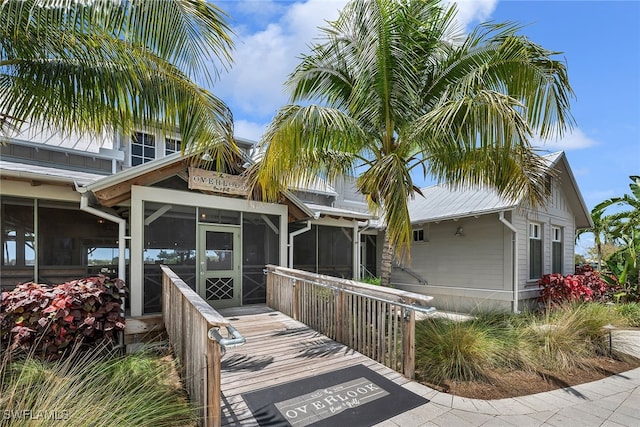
x: 610, y: 402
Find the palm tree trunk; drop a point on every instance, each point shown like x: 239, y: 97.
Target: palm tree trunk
x: 386, y: 263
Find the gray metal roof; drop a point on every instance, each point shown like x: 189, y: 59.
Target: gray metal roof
x: 337, y: 212
x: 316, y: 186
x: 441, y: 202
x: 42, y: 173
x: 88, y: 143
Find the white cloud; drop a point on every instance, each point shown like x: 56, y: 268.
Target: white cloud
x: 470, y: 11
x: 576, y: 140
x: 249, y: 130
x: 267, y: 50
x: 263, y: 59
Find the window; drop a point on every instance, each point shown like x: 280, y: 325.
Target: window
x: 143, y: 148
x: 418, y: 235
x: 172, y: 146
x: 535, y: 251
x: 556, y: 250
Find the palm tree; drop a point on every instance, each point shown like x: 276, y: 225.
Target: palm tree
x: 104, y: 65
x: 391, y: 87
x: 623, y: 227
x: 600, y: 231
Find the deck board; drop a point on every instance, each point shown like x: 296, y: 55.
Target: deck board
x: 279, y: 349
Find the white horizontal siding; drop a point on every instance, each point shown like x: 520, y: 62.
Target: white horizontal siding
x: 474, y: 260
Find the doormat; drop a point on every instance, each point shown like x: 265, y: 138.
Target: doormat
x: 354, y: 396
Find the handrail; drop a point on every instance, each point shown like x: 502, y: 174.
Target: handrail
x: 396, y: 295
x: 419, y: 308
x: 413, y: 274
x: 192, y: 326
x: 234, y: 338
x: 378, y: 322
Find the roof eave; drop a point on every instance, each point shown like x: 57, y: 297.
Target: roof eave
x: 464, y: 215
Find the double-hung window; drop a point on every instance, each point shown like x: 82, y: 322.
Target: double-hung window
x: 556, y: 250
x: 535, y: 250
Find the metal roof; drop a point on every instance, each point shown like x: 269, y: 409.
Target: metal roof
x: 317, y: 186
x: 43, y: 173
x: 337, y: 212
x: 87, y: 143
x: 441, y: 202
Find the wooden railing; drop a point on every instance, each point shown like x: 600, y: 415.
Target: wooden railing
x: 378, y: 322
x: 188, y: 319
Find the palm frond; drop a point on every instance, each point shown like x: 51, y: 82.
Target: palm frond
x: 304, y: 142
x: 104, y: 65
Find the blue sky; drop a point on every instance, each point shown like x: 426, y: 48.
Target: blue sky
x: 600, y: 41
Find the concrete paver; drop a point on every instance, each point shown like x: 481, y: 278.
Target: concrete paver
x: 610, y: 402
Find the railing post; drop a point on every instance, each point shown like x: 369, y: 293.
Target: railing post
x: 270, y: 278
x: 409, y: 343
x: 296, y: 300
x: 214, y: 407
x: 340, y: 320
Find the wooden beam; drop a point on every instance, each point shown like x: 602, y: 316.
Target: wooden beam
x: 121, y: 191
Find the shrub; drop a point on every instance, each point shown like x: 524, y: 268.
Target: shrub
x: 631, y: 313
x: 47, y: 320
x: 586, y: 286
x: 371, y: 280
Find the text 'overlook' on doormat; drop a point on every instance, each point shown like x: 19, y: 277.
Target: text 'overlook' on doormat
x: 353, y: 396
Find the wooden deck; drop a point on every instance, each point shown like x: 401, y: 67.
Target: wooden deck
x: 278, y: 350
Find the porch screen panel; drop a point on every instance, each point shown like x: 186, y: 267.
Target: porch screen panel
x: 305, y: 249
x: 18, y: 251
x: 170, y: 239
x: 260, y: 246
x: 73, y: 244
x: 335, y: 251
x: 369, y: 261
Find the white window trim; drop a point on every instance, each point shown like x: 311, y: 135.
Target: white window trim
x: 173, y: 139
x: 535, y: 230
x: 132, y: 141
x: 534, y: 233
x: 425, y: 234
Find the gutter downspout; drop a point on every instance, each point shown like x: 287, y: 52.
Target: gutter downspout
x: 122, y: 227
x: 514, y: 260
x: 294, y: 234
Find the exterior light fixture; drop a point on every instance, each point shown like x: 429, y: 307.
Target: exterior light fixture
x: 458, y: 231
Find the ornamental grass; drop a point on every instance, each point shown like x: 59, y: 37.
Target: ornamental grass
x: 560, y: 337
x: 95, y: 388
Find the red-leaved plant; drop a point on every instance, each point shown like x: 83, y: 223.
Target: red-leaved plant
x: 585, y: 285
x: 47, y: 320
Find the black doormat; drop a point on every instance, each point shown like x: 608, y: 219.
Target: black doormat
x: 354, y: 396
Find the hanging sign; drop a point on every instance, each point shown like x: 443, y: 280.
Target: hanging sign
x: 218, y: 182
